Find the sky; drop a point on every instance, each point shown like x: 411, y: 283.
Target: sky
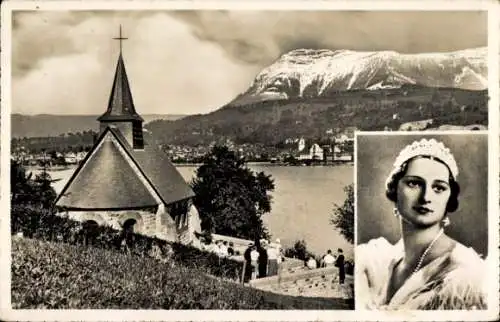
x: 191, y: 62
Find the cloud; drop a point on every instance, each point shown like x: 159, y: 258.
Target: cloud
x: 38, y: 35
x: 196, y: 61
x: 169, y: 69
x: 262, y: 36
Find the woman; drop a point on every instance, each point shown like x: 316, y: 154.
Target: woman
x: 426, y: 269
x: 254, y: 256
x: 272, y: 260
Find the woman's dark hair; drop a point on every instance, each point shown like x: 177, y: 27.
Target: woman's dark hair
x: 392, y: 185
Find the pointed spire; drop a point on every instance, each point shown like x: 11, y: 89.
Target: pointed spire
x: 120, y: 105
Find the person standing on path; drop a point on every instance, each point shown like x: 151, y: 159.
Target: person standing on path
x: 248, y: 263
x: 328, y: 259
x: 341, y: 265
x: 254, y: 255
x: 272, y: 253
x: 263, y: 257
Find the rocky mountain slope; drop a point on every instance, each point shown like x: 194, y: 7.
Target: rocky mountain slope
x: 323, y: 73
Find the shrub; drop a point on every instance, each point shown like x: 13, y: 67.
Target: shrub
x: 343, y: 216
x: 60, y: 276
x: 209, y: 262
x: 349, y: 267
x: 42, y: 224
x: 299, y: 250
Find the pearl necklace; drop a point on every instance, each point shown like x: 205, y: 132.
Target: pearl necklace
x: 421, y: 260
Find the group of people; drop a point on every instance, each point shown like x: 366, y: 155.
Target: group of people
x: 329, y: 259
x: 262, y: 259
x: 220, y: 248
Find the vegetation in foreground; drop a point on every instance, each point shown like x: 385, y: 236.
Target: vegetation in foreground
x: 49, y: 275
x: 43, y: 225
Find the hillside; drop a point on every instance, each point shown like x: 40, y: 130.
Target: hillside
x: 78, y: 277
x: 45, y: 125
x: 271, y: 122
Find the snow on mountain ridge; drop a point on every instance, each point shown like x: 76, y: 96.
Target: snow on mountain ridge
x: 316, y: 72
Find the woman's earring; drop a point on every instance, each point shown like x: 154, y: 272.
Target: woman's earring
x: 446, y: 221
x: 396, y: 212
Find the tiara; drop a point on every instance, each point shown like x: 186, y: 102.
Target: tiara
x: 430, y: 148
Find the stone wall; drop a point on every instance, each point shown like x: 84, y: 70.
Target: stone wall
x: 240, y: 245
x: 159, y: 224
x: 321, y: 282
x: 191, y: 225
x: 165, y: 225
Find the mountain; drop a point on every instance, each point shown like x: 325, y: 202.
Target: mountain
x: 323, y: 73
x: 313, y: 92
x: 44, y: 125
x: 310, y: 93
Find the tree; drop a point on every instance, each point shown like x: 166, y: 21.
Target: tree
x: 299, y: 250
x: 20, y: 187
x: 231, y: 198
x: 343, y: 216
x: 26, y: 191
x: 44, y: 193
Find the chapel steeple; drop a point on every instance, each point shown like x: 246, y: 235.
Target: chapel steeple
x: 121, y: 110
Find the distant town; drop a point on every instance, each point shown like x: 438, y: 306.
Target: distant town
x: 331, y: 149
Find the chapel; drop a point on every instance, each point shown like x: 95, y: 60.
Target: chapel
x: 126, y: 183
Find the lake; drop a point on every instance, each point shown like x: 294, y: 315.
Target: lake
x: 302, y: 202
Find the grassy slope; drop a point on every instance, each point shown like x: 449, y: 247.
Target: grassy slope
x: 61, y: 276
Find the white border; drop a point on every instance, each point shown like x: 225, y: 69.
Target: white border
x: 281, y: 5
x: 5, y: 108
x: 493, y: 149
x: 233, y: 315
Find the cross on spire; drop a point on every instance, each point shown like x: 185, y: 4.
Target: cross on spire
x: 120, y: 38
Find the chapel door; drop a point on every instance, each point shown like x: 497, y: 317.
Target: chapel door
x: 128, y: 230
x: 90, y: 228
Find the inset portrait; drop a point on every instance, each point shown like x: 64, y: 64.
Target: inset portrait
x: 422, y: 221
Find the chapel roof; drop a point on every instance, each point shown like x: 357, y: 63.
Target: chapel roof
x: 106, y: 178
